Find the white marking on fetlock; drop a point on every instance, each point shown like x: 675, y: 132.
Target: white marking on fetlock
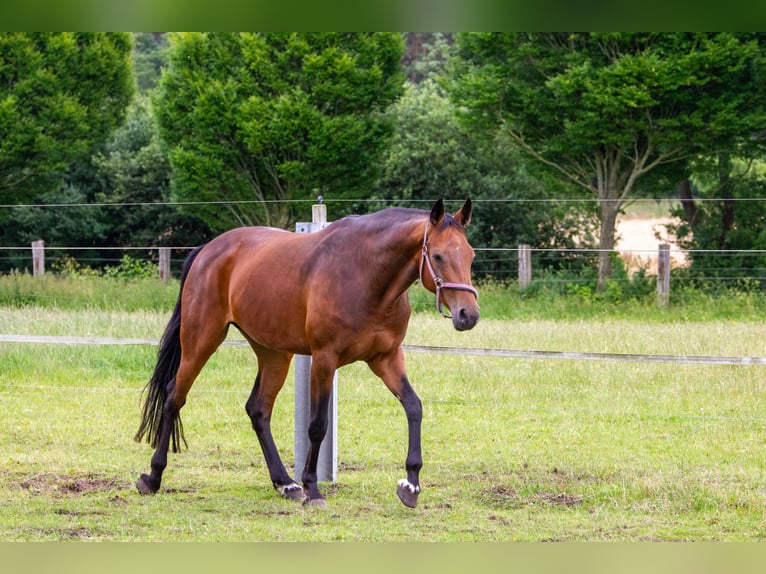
x: 293, y: 487
x: 404, y: 483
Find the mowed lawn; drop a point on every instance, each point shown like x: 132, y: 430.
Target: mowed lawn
x: 514, y: 449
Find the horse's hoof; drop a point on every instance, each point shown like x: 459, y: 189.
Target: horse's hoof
x: 293, y: 491
x: 143, y: 486
x: 408, y: 493
x: 315, y: 502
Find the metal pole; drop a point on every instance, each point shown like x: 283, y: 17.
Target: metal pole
x: 327, y: 466
x: 663, y: 275
x: 38, y: 258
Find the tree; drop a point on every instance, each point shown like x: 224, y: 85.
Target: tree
x: 149, y: 56
x: 426, y: 54
x: 254, y: 119
x: 432, y: 155
x: 429, y: 156
x: 727, y: 220
x: 603, y: 110
x: 61, y: 95
x: 133, y: 169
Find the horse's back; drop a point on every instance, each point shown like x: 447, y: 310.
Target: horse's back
x: 297, y: 292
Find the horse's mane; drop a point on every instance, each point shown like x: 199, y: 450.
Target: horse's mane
x: 388, y: 218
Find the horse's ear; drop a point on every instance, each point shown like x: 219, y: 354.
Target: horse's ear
x: 463, y: 215
x: 437, y: 212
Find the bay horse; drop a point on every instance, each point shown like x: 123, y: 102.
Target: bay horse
x: 339, y: 295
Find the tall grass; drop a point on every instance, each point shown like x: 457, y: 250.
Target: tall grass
x: 86, y: 292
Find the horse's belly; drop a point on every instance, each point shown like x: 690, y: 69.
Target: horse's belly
x: 273, y: 323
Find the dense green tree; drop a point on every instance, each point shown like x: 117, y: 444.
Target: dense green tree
x: 426, y: 55
x: 149, y: 56
x: 267, y: 118
x: 133, y: 174
x: 603, y: 110
x: 61, y: 95
x: 429, y: 155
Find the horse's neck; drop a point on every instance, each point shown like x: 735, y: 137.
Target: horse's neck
x: 401, y: 246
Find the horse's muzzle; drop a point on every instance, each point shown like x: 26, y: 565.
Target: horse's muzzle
x: 465, y: 318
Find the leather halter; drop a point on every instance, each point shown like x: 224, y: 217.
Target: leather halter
x: 440, y: 284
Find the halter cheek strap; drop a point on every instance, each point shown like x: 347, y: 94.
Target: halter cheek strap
x: 440, y: 284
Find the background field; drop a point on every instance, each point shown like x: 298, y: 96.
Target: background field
x: 513, y: 449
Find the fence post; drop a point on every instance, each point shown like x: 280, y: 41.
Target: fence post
x: 327, y: 466
x: 164, y: 264
x: 663, y: 275
x: 38, y: 258
x: 525, y: 266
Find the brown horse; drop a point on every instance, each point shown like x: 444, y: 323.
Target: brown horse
x: 339, y: 295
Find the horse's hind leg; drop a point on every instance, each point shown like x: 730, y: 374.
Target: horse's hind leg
x: 272, y: 371
x: 192, y: 361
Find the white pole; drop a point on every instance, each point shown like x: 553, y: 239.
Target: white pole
x: 327, y: 466
x: 38, y: 258
x: 663, y: 275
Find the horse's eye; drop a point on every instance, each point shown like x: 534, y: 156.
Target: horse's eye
x: 438, y: 258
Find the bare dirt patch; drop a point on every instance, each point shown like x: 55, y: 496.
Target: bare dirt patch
x: 67, y: 485
x: 639, y: 240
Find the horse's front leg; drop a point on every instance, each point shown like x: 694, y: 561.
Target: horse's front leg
x: 322, y: 373
x: 390, y: 368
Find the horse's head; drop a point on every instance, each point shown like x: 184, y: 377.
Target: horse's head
x: 448, y: 256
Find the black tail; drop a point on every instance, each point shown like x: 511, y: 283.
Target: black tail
x: 163, y: 379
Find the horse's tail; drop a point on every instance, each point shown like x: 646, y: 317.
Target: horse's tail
x: 164, y: 376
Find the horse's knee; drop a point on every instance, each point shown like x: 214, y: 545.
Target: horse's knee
x: 258, y: 417
x: 411, y: 402
x: 414, y: 410
x: 318, y: 429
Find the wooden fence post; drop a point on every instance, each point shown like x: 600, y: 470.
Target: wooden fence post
x: 327, y: 465
x: 38, y: 258
x: 525, y: 266
x: 164, y: 264
x: 663, y: 275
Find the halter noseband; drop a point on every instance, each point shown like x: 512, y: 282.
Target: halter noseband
x: 438, y: 281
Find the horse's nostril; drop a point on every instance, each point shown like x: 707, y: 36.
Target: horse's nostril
x: 464, y: 319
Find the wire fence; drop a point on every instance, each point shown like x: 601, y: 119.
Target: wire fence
x: 501, y: 263
x: 329, y: 201
x: 551, y: 268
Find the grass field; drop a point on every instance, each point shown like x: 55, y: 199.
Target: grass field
x: 513, y: 449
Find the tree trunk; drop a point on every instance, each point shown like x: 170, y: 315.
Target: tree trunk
x: 609, y: 211
x: 691, y: 213
x: 725, y: 192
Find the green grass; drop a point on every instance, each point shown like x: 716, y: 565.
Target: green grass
x: 514, y: 449
x: 91, y: 292
x: 552, y: 298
